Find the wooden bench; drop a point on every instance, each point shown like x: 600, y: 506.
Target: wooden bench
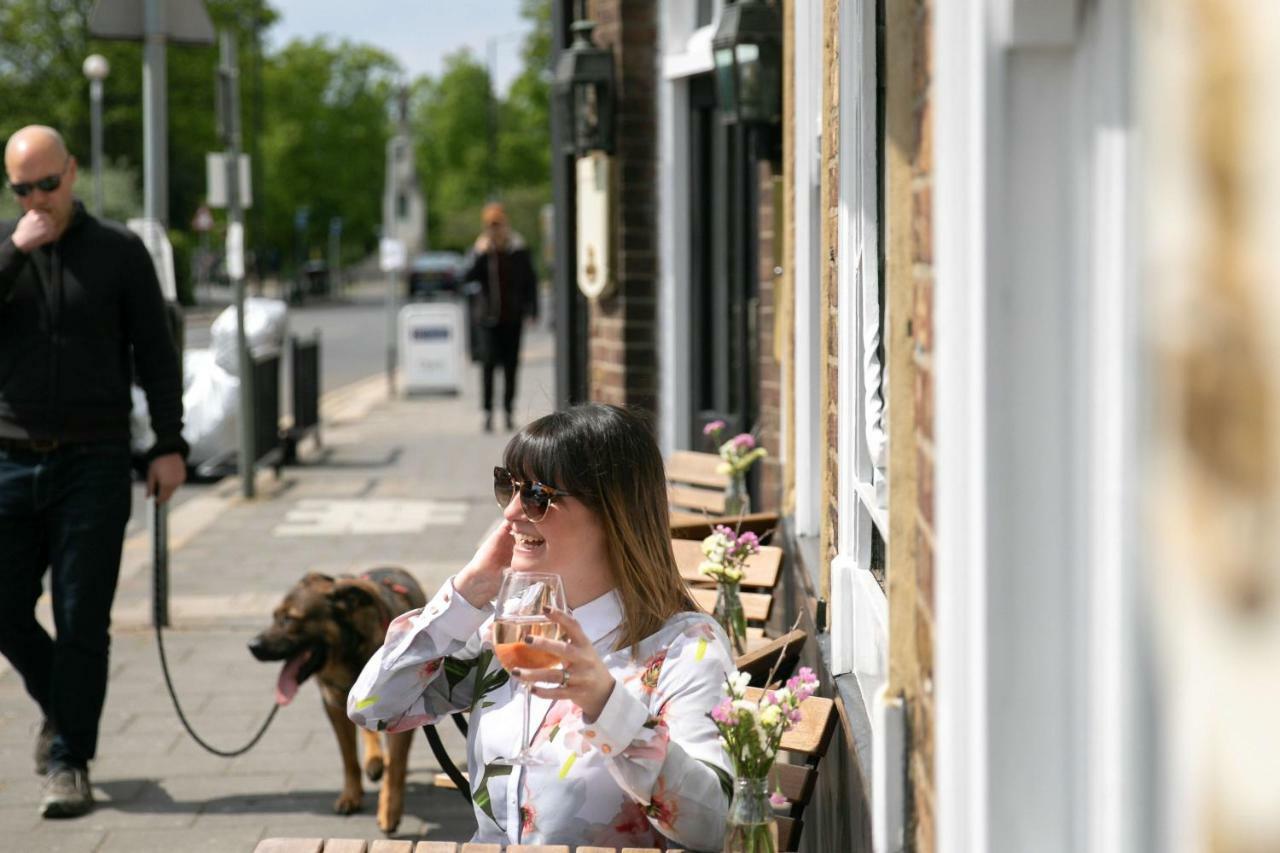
x: 359, y: 845
x: 777, y: 656
x: 761, y: 571
x: 755, y: 605
x: 695, y: 489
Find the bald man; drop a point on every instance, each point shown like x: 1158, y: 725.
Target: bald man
x: 80, y: 309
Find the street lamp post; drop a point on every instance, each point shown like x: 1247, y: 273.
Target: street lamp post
x: 96, y: 68
x: 492, y: 105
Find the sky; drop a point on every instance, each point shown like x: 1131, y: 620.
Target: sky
x: 418, y: 33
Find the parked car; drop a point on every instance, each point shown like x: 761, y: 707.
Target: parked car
x: 433, y: 273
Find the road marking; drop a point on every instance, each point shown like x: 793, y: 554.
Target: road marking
x: 368, y: 517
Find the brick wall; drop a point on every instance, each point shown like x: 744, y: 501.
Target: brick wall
x: 830, y: 333
x: 920, y: 690
x: 785, y: 288
x: 622, y: 330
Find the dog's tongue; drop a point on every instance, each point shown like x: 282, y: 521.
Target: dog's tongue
x: 287, y: 685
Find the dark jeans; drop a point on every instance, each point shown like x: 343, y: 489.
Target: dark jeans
x: 502, y: 348
x: 66, y: 511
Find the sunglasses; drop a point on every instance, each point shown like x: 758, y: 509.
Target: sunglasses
x: 535, y: 497
x: 45, y: 185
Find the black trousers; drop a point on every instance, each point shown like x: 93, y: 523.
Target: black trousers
x: 65, y: 511
x: 502, y: 349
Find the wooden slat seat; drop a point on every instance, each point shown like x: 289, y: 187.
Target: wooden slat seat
x: 778, y: 656
x: 290, y: 845
x: 755, y: 605
x: 695, y: 501
x: 761, y: 571
x: 696, y: 469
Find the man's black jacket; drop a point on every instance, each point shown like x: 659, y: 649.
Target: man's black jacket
x: 72, y: 314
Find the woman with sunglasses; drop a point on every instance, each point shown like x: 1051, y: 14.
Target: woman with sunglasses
x: 629, y: 755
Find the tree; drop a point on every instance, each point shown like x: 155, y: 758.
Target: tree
x: 326, y: 142
x: 450, y: 121
x: 44, y: 43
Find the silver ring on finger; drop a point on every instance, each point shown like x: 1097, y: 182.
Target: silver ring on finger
x: 564, y: 677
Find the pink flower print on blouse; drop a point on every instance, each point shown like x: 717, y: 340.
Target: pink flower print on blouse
x: 652, y: 746
x: 630, y: 827
x: 562, y: 718
x: 399, y: 626
x: 652, y: 669
x: 429, y: 669
x: 528, y: 819
x: 663, y: 805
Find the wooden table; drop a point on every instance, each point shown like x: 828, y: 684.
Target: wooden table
x: 359, y: 845
x: 760, y: 572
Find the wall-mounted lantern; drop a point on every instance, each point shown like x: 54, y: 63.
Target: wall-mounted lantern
x: 748, y: 57
x: 584, y: 80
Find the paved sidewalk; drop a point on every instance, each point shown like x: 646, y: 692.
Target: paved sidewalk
x: 398, y: 482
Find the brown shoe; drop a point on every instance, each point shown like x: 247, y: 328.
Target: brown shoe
x: 66, y: 793
x: 44, y: 746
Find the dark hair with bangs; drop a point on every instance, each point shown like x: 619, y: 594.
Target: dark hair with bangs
x: 608, y: 458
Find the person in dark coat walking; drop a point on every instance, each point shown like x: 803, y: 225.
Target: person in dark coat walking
x: 80, y: 314
x: 504, y: 296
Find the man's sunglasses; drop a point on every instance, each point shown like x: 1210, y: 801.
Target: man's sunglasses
x: 45, y: 185
x: 535, y: 497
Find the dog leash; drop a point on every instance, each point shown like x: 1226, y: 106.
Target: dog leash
x: 177, y: 706
x: 160, y: 617
x: 442, y: 756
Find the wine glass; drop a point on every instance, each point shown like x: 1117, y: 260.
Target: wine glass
x: 521, y: 608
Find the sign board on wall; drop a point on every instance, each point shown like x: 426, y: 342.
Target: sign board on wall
x: 595, y: 225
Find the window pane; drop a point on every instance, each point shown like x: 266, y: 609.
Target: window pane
x: 704, y: 13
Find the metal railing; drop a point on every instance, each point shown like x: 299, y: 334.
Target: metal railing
x: 304, y: 371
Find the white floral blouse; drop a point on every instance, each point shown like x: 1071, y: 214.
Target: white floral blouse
x: 649, y: 772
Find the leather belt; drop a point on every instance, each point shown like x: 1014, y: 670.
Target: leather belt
x: 31, y: 445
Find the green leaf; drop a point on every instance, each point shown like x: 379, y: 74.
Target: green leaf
x: 481, y: 795
x: 726, y: 781
x: 455, y: 670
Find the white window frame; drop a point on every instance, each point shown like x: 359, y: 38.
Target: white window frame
x: 859, y: 609
x: 1037, y: 372
x: 807, y: 279
x: 859, y: 606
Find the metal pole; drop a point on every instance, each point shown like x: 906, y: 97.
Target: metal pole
x: 155, y: 122
x: 230, y: 77
x: 95, y: 141
x: 259, y: 167
x: 493, y: 118
x: 392, y: 298
x: 335, y: 255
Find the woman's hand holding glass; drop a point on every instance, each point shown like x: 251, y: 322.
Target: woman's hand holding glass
x: 581, y: 676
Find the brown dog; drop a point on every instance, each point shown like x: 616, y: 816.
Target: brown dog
x: 328, y: 628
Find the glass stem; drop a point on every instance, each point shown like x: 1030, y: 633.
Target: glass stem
x: 528, y: 701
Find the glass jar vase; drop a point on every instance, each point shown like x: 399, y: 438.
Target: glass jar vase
x: 751, y: 826
x: 729, y: 613
x: 737, y: 500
